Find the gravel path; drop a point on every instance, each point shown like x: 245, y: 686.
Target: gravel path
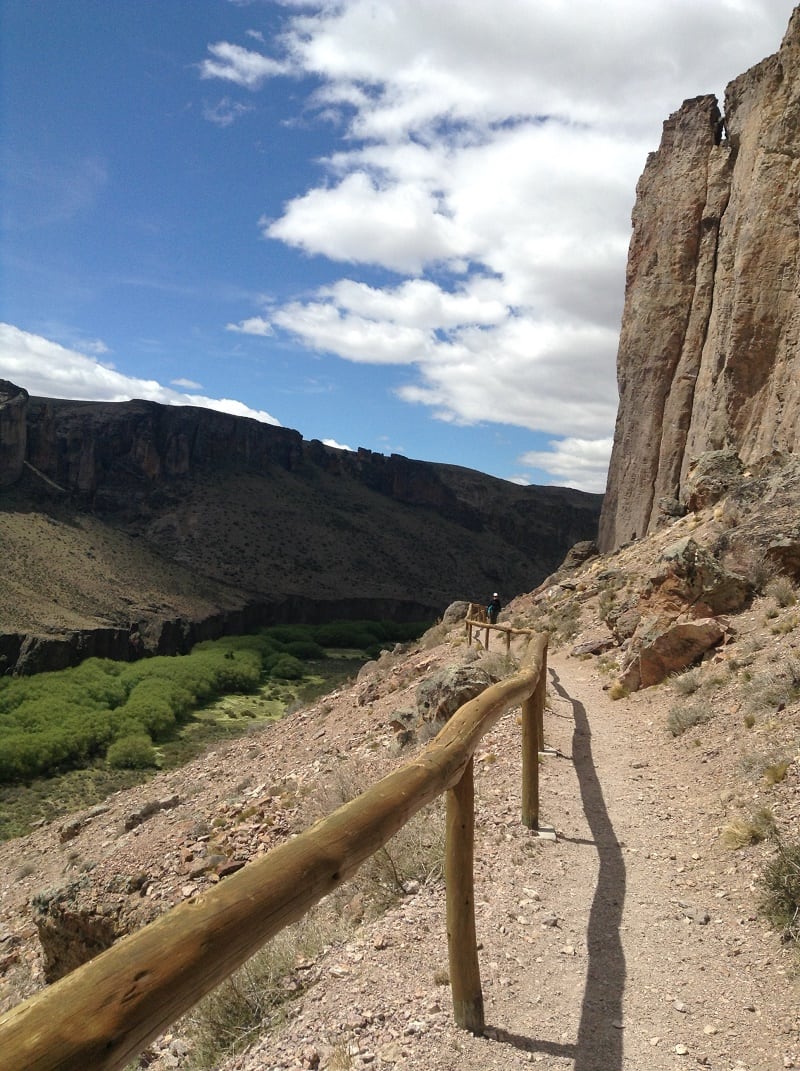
x: 629, y: 943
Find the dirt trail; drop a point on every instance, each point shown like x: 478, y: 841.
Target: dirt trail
x: 629, y: 944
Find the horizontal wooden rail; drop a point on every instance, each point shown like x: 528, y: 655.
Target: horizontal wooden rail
x: 105, y: 1012
x: 480, y: 623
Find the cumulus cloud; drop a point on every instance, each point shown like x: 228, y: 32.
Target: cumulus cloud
x: 486, y: 174
x: 49, y: 370
x: 574, y: 462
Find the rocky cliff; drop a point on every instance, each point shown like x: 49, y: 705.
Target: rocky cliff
x: 708, y: 355
x: 13, y: 432
x: 134, y: 527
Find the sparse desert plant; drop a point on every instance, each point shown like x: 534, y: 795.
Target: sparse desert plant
x: 605, y: 603
x: 749, y: 720
x: 341, y: 1059
x: 780, y: 885
x: 683, y: 716
x: 781, y: 589
x: 742, y: 832
x: 563, y: 622
x: 687, y: 683
x: 777, y: 771
x: 618, y: 691
x: 770, y: 691
x: 758, y: 568
x: 236, y: 1012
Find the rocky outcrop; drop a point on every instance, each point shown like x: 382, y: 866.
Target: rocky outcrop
x: 676, y: 619
x: 708, y: 356
x: 13, y: 432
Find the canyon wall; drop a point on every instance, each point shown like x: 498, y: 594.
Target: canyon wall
x: 13, y: 432
x: 708, y: 354
x: 130, y: 528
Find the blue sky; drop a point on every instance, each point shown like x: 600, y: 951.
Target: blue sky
x: 396, y: 225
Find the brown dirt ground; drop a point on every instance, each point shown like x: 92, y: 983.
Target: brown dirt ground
x: 630, y: 942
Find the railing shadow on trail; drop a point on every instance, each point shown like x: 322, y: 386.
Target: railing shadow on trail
x: 600, y: 1033
x: 599, y: 1043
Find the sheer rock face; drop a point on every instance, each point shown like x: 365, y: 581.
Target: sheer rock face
x: 708, y: 355
x: 13, y: 431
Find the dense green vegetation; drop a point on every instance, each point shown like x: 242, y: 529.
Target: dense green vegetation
x: 117, y: 712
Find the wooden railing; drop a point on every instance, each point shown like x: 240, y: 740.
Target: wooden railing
x: 105, y: 1012
x: 477, y: 622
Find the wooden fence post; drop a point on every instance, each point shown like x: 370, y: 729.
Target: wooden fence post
x: 465, y: 977
x: 532, y: 740
x: 530, y: 764
x: 539, y: 699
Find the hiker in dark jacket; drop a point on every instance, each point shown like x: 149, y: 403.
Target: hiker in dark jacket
x: 494, y: 608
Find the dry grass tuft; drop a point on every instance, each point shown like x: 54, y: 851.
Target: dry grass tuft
x: 684, y: 716
x: 742, y: 832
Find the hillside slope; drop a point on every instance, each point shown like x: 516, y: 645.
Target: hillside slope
x: 155, y: 526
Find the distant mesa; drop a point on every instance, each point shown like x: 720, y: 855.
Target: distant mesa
x: 134, y: 527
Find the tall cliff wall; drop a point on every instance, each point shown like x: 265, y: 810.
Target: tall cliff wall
x: 708, y: 355
x: 13, y: 432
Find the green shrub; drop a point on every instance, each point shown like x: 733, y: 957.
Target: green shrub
x: 305, y: 650
x: 132, y: 753
x: 287, y: 668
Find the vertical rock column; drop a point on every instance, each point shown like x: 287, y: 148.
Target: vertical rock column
x: 663, y: 312
x: 13, y: 432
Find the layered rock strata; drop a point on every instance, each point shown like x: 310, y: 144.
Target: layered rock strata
x: 708, y: 355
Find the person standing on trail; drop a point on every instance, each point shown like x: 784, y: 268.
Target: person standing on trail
x: 493, y: 609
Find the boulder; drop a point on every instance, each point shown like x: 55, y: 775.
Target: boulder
x: 784, y: 553
x: 73, y: 926
x: 455, y: 612
x: 688, y: 578
x: 657, y: 652
x: 439, y: 696
x: 712, y: 476
x: 579, y: 553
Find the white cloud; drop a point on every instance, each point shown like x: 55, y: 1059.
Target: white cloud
x: 579, y: 463
x: 225, y: 112
x: 253, y: 325
x: 242, y: 66
x: 488, y: 163
x: 49, y: 370
x: 335, y: 445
